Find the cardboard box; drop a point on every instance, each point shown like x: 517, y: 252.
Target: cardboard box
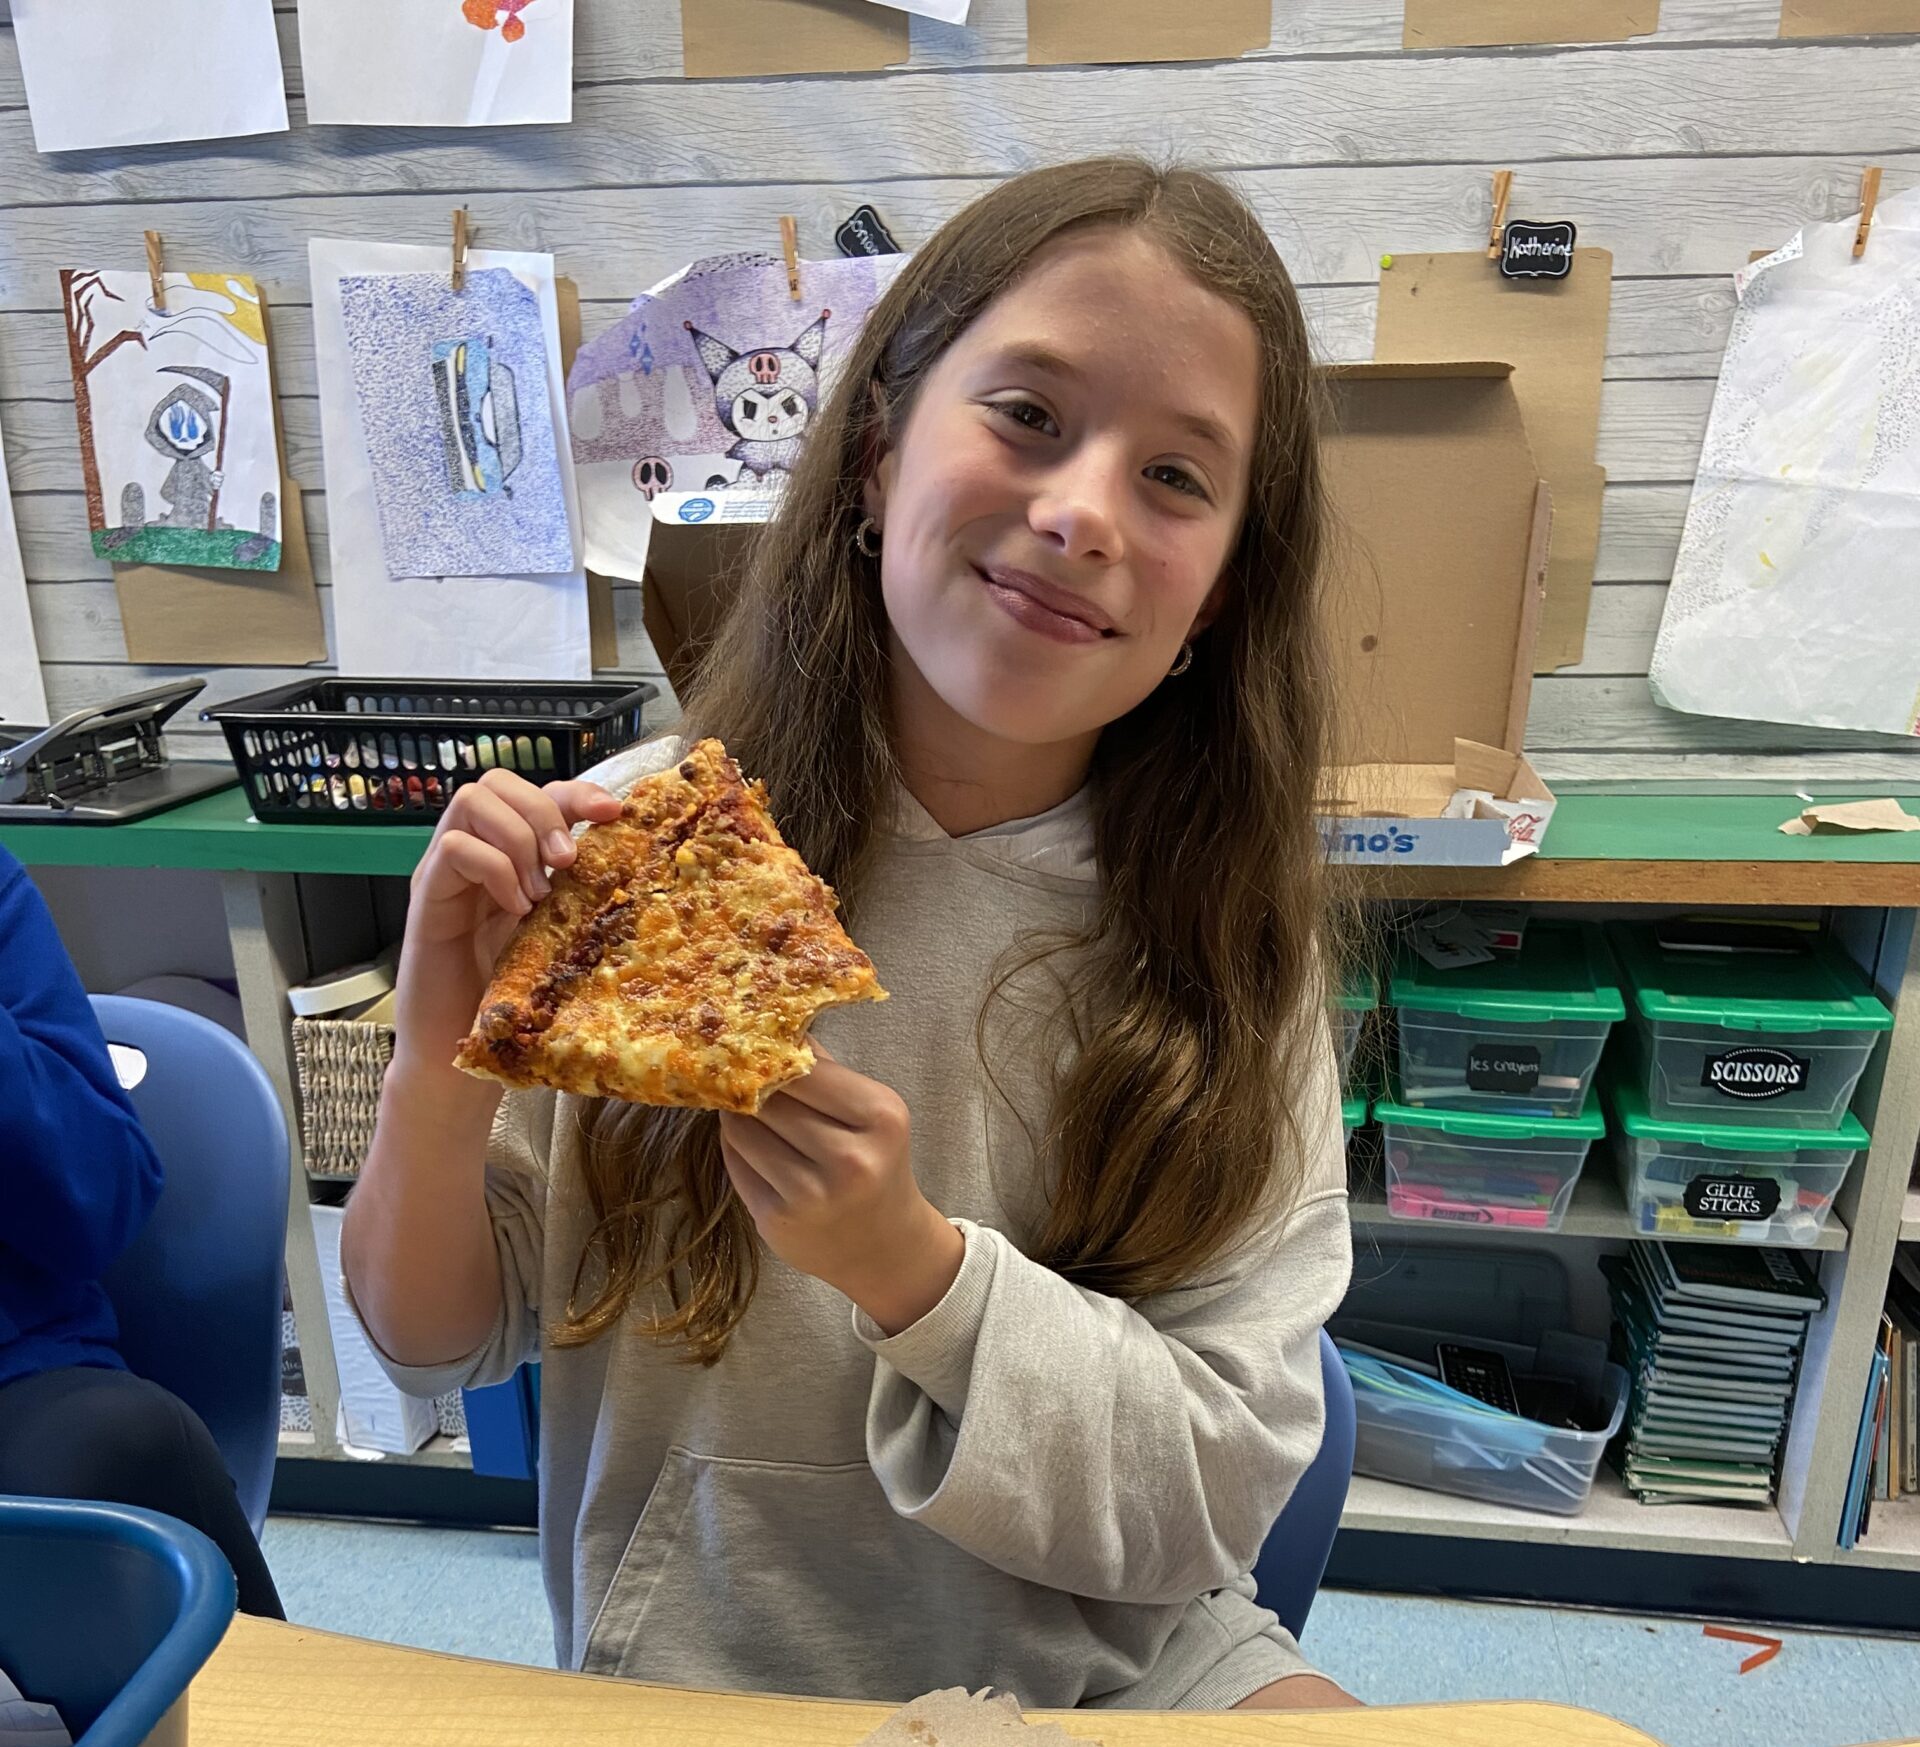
x: 1438, y: 570
x: 1437, y: 573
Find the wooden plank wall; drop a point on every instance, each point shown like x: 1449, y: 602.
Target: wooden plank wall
x: 1681, y: 152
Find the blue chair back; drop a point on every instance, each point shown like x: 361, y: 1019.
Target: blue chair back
x: 107, y: 1614
x: 198, y: 1292
x: 1294, y: 1559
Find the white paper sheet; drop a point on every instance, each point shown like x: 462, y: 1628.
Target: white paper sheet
x: 23, y: 697
x: 437, y: 63
x: 947, y: 11
x: 503, y: 627
x: 26, y: 1724
x: 1793, y: 595
x: 110, y: 73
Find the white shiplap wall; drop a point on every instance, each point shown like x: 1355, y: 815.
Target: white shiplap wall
x: 1681, y: 153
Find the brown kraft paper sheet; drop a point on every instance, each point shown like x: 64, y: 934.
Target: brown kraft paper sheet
x: 1849, y: 17
x: 1554, y: 333
x: 1069, y: 32
x: 1462, y: 24
x: 744, y: 39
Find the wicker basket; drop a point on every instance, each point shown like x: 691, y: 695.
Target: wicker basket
x: 340, y: 1064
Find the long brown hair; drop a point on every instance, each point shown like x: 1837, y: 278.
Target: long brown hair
x: 1174, y: 1129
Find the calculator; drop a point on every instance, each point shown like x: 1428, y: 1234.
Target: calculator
x: 1475, y: 1371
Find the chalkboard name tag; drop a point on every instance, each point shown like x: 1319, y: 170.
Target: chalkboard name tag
x: 1512, y: 1069
x: 1741, y: 1198
x: 1536, y: 251
x: 1754, y: 1073
x: 862, y: 233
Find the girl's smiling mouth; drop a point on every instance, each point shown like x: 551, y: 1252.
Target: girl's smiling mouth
x: 1043, y: 607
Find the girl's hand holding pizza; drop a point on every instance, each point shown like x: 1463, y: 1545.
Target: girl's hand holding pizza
x: 826, y: 1171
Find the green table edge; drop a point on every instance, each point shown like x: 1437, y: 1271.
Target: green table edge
x: 217, y: 832
x: 1670, y: 827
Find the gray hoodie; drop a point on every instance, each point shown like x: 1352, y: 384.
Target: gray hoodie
x: 1035, y: 1486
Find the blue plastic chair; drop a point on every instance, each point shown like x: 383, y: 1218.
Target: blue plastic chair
x: 107, y: 1614
x: 1294, y: 1558
x: 198, y: 1292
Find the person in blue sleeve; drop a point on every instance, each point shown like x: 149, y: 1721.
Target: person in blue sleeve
x: 78, y: 1178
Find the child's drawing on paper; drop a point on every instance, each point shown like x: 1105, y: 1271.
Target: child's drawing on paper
x: 178, y: 447
x: 710, y: 383
x: 766, y: 397
x: 503, y: 15
x: 452, y: 392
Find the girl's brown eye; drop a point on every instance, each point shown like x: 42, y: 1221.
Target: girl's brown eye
x: 1179, y: 479
x: 1026, y: 413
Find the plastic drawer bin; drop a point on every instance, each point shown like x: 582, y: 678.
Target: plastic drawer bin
x: 1697, y: 1180
x: 1751, y: 1040
x: 107, y: 1613
x: 1521, y: 1035
x: 1358, y: 997
x: 1466, y: 1167
x: 1515, y: 1301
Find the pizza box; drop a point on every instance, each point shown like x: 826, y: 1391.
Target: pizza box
x: 1437, y: 568
x: 1438, y: 563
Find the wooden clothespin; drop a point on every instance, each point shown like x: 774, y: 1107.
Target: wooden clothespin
x: 1502, y: 192
x: 790, y: 247
x: 1869, y: 198
x: 156, y: 271
x: 460, y: 236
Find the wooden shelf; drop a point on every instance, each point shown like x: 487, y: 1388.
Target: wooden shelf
x: 1613, y: 1518
x: 1598, y: 1210
x: 1893, y: 1537
x: 1543, y: 879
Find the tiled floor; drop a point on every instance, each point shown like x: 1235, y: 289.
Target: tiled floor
x: 479, y: 1594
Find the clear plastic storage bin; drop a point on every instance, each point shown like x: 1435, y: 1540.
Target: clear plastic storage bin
x: 1511, y: 1304
x: 1465, y: 1167
x: 1742, y: 1185
x: 1521, y: 1035
x: 1359, y: 996
x: 1752, y: 1040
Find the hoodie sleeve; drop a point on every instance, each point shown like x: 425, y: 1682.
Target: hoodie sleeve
x: 78, y: 1175
x: 518, y: 1151
x: 1124, y: 1452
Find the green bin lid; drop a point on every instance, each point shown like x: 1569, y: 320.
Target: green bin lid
x: 1360, y: 990
x: 1560, y: 972
x: 1485, y: 1125
x: 1815, y: 991
x: 1353, y: 1112
x: 1628, y: 1101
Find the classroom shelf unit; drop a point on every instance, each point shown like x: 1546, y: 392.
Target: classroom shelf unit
x: 300, y: 900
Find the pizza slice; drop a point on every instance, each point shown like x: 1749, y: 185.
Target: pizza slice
x: 680, y: 960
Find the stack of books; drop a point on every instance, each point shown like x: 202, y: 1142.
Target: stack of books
x: 1711, y: 1336
x: 1886, y: 1456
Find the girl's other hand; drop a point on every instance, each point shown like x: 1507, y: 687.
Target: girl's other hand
x: 826, y: 1171
x: 484, y: 870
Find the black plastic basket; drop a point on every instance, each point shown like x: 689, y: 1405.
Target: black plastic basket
x: 392, y: 751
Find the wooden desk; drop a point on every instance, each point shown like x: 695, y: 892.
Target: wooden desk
x: 296, y: 1687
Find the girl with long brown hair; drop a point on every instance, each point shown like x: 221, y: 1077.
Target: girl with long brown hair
x: 987, y: 1353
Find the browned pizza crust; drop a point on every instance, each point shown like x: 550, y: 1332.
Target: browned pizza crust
x: 680, y: 960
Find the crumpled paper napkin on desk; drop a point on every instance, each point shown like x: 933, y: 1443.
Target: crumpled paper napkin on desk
x: 952, y: 1718
x: 1845, y: 816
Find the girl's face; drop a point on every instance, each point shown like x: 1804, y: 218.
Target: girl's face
x: 1071, y: 480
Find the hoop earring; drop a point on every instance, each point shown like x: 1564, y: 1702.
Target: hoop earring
x: 866, y: 538
x: 1184, y: 662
